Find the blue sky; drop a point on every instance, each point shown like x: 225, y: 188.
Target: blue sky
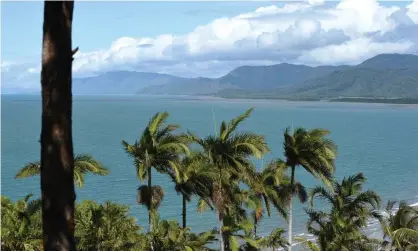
x: 97, y: 24
x: 208, y: 38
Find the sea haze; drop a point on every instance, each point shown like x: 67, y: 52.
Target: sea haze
x: 378, y: 140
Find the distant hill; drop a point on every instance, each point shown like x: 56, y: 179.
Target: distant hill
x: 360, y: 82
x: 246, y: 78
x: 121, y: 82
x: 275, y: 76
x: 385, y: 75
x: 188, y: 86
x: 391, y: 61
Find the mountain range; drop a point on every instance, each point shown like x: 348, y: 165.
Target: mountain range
x: 382, y: 76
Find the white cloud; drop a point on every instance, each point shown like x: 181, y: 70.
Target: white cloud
x: 413, y: 11
x: 311, y: 33
x: 353, y: 51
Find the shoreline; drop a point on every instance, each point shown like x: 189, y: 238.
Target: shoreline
x: 403, y: 102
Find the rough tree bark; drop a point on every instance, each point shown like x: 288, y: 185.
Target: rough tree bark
x: 57, y: 157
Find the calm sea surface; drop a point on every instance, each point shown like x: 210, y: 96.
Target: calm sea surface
x: 379, y: 140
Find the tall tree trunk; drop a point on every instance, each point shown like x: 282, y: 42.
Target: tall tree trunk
x: 220, y: 216
x: 292, y: 181
x: 150, y: 208
x: 57, y: 156
x: 255, y: 225
x: 221, y: 235
x: 184, y: 211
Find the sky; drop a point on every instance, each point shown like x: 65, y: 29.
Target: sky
x: 207, y: 39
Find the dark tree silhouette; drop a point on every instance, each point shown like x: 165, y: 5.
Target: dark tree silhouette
x: 57, y: 157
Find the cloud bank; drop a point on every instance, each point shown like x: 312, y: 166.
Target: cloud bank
x: 312, y: 33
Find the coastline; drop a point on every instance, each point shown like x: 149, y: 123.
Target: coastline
x: 400, y: 102
x: 357, y: 100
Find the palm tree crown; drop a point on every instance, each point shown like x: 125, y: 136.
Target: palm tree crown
x: 196, y: 178
x: 340, y: 228
x: 400, y: 227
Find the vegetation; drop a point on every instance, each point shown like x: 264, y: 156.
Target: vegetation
x: 400, y: 227
x: 21, y: 224
x: 217, y: 170
x: 105, y: 227
x: 351, y: 208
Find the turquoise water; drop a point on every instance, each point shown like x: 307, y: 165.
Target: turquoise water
x: 379, y: 140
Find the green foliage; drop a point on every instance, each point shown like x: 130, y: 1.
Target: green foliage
x: 275, y: 240
x: 105, y: 227
x: 83, y: 164
x: 351, y: 207
x: 400, y: 227
x: 169, y: 236
x: 237, y: 233
x: 195, y: 177
x: 267, y: 189
x: 311, y: 150
x: 157, y: 147
x: 21, y: 224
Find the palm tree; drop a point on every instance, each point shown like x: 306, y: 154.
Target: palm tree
x: 196, y: 178
x: 105, y: 227
x: 83, y: 163
x: 275, y: 240
x: 57, y: 157
x: 400, y: 227
x: 340, y: 228
x: 21, y: 224
x: 157, y: 148
x: 312, y: 151
x: 229, y: 153
x: 267, y: 187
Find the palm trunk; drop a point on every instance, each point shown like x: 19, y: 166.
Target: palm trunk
x: 57, y: 156
x: 255, y: 226
x: 184, y: 211
x: 221, y: 235
x: 150, y: 207
x: 292, y: 181
x: 220, y: 216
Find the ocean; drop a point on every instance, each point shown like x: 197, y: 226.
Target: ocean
x: 379, y: 140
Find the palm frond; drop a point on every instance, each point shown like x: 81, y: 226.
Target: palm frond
x: 233, y: 124
x: 156, y: 122
x: 156, y: 193
x: 29, y: 170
